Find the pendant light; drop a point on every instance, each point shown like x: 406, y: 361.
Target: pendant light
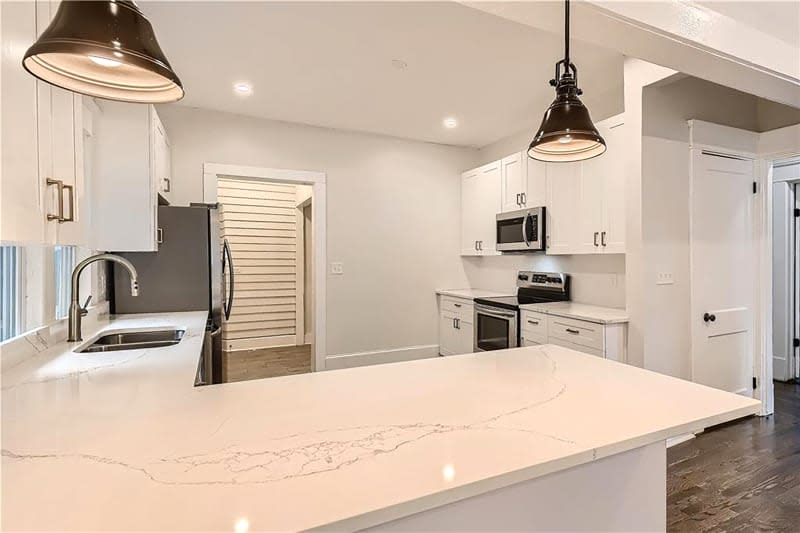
x: 105, y: 49
x: 567, y: 132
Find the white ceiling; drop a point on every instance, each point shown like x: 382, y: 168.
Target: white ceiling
x: 330, y: 64
x: 781, y: 19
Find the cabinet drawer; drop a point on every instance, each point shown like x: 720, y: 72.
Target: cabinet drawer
x: 576, y: 347
x: 460, y: 308
x: 533, y: 324
x: 532, y: 339
x: 578, y: 332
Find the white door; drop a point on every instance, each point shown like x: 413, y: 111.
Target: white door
x: 794, y: 363
x: 563, y: 192
x: 723, y: 271
x: 783, y: 220
x: 513, y: 182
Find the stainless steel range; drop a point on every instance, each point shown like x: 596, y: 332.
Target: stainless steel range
x: 497, y: 319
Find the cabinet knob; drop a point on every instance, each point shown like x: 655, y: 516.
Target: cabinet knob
x: 708, y: 317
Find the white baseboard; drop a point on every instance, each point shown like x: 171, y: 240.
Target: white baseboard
x: 394, y: 355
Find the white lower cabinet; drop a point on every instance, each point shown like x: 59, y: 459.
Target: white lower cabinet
x: 603, y: 340
x: 456, y: 325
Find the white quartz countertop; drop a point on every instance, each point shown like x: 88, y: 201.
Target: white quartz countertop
x: 125, y: 442
x: 472, y: 293
x: 591, y: 313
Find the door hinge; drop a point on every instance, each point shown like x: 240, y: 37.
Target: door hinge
x: 796, y: 343
x: 755, y: 383
x: 796, y: 212
x: 755, y: 187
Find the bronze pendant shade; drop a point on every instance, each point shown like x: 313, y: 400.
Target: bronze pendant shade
x: 105, y: 49
x: 567, y: 132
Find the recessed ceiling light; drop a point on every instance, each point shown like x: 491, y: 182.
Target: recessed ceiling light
x: 243, y: 89
x: 450, y: 122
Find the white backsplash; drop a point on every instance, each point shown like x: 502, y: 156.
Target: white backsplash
x: 595, y: 279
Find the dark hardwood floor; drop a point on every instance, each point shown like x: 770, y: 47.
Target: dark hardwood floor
x: 742, y: 476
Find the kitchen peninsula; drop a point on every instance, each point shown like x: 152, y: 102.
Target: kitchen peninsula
x: 536, y: 438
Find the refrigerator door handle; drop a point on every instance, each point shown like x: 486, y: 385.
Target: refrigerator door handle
x: 229, y: 259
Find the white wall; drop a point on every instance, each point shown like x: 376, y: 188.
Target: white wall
x: 393, y: 215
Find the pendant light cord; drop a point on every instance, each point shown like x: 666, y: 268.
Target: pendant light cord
x: 566, y: 34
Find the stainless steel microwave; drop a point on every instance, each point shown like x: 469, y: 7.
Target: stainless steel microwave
x: 521, y: 231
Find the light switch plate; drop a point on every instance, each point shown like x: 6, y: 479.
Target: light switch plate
x: 665, y: 278
x: 337, y: 268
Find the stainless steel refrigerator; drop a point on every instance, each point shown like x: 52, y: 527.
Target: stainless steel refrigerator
x: 187, y: 273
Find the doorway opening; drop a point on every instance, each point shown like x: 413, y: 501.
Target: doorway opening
x: 786, y: 269
x: 271, y: 225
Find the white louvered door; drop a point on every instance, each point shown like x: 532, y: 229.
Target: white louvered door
x: 258, y: 219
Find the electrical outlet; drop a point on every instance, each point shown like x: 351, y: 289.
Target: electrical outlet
x: 665, y: 278
x: 337, y: 268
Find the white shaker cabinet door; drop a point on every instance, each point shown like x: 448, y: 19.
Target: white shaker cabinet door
x: 21, y: 214
x: 512, y: 182
x: 470, y: 205
x: 613, y: 232
x: 535, y: 182
x: 488, y: 208
x: 589, y: 209
x: 563, y: 216
x: 464, y: 335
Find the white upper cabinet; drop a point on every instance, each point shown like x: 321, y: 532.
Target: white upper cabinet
x: 512, y: 182
x: 162, y: 160
x: 131, y: 160
x: 522, y: 182
x: 586, y: 199
x: 563, y: 224
x: 480, y: 203
x: 42, y: 178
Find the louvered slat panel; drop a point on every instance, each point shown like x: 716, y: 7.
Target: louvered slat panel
x: 258, y: 219
x: 232, y: 335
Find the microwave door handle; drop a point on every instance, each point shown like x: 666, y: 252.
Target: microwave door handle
x: 226, y: 249
x: 525, y: 229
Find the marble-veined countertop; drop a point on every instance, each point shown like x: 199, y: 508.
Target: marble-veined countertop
x: 590, y: 313
x: 123, y: 441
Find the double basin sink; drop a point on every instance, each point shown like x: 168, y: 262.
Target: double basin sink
x: 134, y: 340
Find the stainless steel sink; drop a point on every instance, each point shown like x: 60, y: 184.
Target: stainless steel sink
x: 134, y: 340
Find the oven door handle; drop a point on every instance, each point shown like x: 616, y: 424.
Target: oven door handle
x: 525, y: 229
x: 479, y: 309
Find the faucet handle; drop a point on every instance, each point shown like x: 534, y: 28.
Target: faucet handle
x: 85, y: 311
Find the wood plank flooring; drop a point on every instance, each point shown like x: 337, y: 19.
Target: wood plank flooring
x: 266, y: 362
x: 742, y: 476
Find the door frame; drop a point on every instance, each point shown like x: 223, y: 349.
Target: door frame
x: 317, y: 180
x: 773, y: 146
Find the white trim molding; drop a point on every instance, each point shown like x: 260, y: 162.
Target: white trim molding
x: 391, y: 355
x: 317, y: 180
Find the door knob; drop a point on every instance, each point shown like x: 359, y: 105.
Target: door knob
x: 709, y: 317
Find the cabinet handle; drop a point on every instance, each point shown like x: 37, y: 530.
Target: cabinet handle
x: 596, y: 234
x: 59, y: 216
x: 457, y: 305
x: 603, y: 238
x: 159, y: 235
x: 480, y: 245
x: 524, y: 199
x: 168, y: 188
x: 71, y: 197
x: 519, y: 201
x: 458, y: 323
x: 573, y: 331
x: 534, y: 322
x: 476, y: 246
